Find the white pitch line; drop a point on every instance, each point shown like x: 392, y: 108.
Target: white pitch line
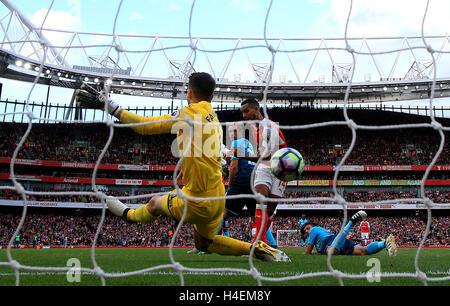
x: 161, y: 273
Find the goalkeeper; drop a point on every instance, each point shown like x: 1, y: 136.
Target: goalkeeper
x: 323, y: 240
x: 201, y: 169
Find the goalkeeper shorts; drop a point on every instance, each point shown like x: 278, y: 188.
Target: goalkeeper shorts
x: 206, y: 216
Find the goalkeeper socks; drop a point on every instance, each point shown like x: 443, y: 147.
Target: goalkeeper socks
x: 223, y: 245
x: 141, y: 215
x: 338, y: 244
x: 375, y: 247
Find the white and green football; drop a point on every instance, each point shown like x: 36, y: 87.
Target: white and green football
x: 287, y: 164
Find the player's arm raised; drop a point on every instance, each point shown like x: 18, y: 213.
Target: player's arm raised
x: 93, y: 97
x: 162, y: 125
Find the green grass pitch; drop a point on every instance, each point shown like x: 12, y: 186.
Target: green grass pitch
x: 434, y: 262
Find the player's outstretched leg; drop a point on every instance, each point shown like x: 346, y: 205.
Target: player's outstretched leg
x: 117, y: 208
x: 391, y: 245
x: 267, y: 253
x: 227, y: 246
x: 271, y: 240
x: 358, y: 217
x: 260, y: 214
x: 374, y: 247
x: 141, y: 215
x: 193, y: 251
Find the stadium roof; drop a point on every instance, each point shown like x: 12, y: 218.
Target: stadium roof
x: 126, y: 68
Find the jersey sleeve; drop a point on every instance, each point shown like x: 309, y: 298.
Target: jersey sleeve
x: 270, y: 138
x: 235, y: 145
x: 249, y: 147
x: 163, y: 126
x: 312, y: 237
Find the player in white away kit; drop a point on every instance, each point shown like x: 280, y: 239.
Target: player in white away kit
x: 365, y: 230
x: 268, y: 139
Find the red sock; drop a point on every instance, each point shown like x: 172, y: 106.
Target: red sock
x: 256, y: 226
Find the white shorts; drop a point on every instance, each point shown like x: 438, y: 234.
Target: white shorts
x: 263, y: 176
x: 365, y: 236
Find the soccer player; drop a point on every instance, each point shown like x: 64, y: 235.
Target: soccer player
x: 365, y: 230
x: 224, y: 227
x: 323, y: 240
x: 201, y: 170
x: 239, y: 181
x: 268, y: 139
x: 302, y: 223
x: 239, y: 174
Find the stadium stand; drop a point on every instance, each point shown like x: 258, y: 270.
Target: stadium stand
x: 76, y: 228
x: 384, y: 165
x: 84, y: 142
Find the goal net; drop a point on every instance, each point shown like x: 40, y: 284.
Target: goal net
x: 119, y: 52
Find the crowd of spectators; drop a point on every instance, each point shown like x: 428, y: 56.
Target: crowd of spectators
x: 77, y: 229
x: 168, y: 174
x: 84, y: 142
x: 439, y: 196
x: 408, y: 230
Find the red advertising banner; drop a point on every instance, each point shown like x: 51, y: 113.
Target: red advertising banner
x: 137, y: 182
x: 57, y: 164
x: 146, y: 168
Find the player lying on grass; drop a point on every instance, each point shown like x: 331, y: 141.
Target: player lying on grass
x: 201, y: 169
x: 324, y: 240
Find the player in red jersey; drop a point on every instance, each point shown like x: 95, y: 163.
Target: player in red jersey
x: 268, y: 139
x: 365, y: 230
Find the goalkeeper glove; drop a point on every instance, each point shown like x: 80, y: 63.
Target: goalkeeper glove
x: 93, y: 98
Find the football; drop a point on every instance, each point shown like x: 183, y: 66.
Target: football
x: 287, y: 164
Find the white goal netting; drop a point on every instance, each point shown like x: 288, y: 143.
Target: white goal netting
x: 195, y: 51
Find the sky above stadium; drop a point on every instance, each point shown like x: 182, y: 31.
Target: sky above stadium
x: 244, y: 18
x: 231, y: 18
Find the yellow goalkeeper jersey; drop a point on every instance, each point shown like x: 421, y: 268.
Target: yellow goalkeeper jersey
x: 202, y: 173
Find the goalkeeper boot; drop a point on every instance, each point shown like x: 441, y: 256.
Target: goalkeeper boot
x: 391, y: 245
x: 267, y: 253
x: 117, y: 208
x: 359, y: 216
